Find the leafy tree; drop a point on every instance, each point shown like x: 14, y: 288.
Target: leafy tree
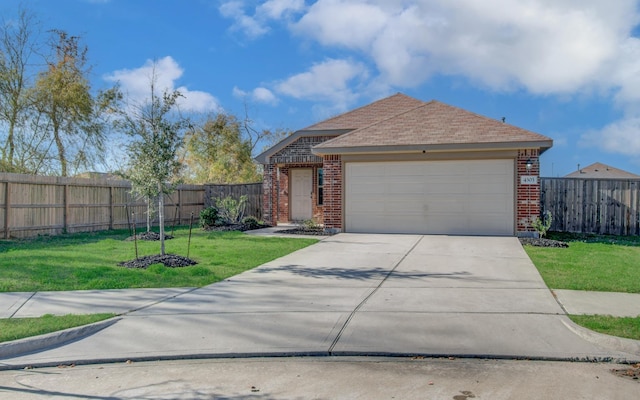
x: 157, y: 135
x: 222, y: 150
x: 70, y: 112
x: 217, y: 152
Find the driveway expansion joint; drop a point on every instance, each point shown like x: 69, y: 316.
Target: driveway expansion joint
x: 373, y: 291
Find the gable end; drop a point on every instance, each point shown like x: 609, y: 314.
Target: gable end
x: 299, y: 151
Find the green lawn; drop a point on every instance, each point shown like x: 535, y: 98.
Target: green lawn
x: 89, y: 260
x: 597, y: 263
x: 18, y: 328
x: 615, y: 326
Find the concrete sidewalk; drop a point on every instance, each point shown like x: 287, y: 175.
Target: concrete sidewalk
x: 349, y: 294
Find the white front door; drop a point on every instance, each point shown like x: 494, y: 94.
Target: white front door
x: 301, y: 194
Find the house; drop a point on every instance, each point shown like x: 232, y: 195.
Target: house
x: 401, y: 165
x: 601, y: 171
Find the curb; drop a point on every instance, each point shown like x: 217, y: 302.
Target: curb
x: 38, y: 343
x: 624, y: 345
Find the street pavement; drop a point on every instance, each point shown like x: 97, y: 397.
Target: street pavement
x: 348, y: 295
x: 323, y: 378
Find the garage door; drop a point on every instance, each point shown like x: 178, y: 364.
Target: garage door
x: 471, y: 197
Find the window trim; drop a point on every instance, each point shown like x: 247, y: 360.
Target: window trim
x: 319, y: 186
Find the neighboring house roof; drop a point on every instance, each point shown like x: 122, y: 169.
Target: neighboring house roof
x: 434, y: 126
x: 602, y: 171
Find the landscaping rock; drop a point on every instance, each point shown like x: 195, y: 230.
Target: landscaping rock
x: 541, y: 242
x: 168, y: 260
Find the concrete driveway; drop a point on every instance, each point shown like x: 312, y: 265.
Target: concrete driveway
x: 355, y: 294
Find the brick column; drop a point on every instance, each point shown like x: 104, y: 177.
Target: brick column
x: 332, y: 205
x: 270, y: 194
x: 528, y: 196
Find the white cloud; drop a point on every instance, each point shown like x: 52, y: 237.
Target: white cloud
x: 264, y: 95
x: 249, y: 25
x: 260, y: 95
x: 256, y: 25
x: 621, y: 137
x: 332, y: 80
x: 135, y: 83
x: 545, y: 46
x: 276, y: 9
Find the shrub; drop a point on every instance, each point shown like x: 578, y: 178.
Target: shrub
x: 251, y: 222
x: 231, y: 210
x: 542, y: 225
x: 310, y: 224
x: 209, y: 217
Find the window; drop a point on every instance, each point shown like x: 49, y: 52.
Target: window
x: 320, y: 185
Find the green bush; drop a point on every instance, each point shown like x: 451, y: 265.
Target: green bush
x: 209, y: 217
x: 231, y: 210
x: 251, y: 222
x: 542, y: 225
x: 310, y: 224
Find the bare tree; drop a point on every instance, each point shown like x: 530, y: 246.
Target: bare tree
x: 18, y: 45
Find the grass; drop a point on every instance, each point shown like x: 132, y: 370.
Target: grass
x: 18, y: 328
x: 595, y: 263
x: 89, y: 260
x: 623, y: 327
x: 591, y: 262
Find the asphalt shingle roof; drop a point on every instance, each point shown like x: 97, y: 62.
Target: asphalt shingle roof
x: 432, y: 123
x: 602, y: 171
x: 366, y: 115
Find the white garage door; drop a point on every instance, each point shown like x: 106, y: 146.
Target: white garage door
x: 473, y: 197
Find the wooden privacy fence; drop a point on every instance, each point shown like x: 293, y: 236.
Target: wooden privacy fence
x: 36, y: 205
x: 602, y: 206
x: 253, y: 191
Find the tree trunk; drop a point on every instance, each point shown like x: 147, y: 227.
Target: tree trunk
x: 61, y: 153
x: 161, y: 217
x: 149, y: 200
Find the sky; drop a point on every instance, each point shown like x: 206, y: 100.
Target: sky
x: 567, y: 69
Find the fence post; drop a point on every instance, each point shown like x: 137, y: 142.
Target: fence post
x: 111, y: 208
x: 7, y: 209
x: 65, y: 226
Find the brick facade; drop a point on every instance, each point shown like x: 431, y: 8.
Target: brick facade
x: 527, y: 196
x: 332, y: 165
x: 277, y: 187
x: 269, y: 194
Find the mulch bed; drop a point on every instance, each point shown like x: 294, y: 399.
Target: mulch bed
x: 234, y: 227
x: 150, y: 236
x: 168, y: 260
x: 541, y: 242
x: 305, y: 231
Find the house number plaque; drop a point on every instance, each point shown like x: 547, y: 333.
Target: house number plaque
x: 528, y: 180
